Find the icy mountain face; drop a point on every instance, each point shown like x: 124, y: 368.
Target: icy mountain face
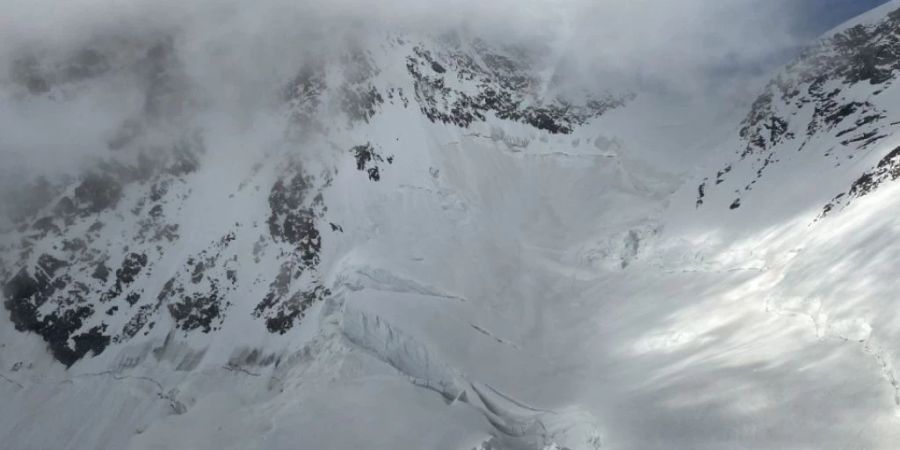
x: 832, y: 107
x: 429, y: 242
x: 89, y: 266
x: 170, y: 256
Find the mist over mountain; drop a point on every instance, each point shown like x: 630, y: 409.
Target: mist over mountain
x: 683, y: 51
x: 454, y: 225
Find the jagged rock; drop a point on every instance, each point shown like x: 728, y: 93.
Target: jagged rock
x: 814, y: 96
x: 367, y: 160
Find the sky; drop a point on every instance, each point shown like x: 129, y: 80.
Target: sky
x: 821, y: 15
x: 806, y: 20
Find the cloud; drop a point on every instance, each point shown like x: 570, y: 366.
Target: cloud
x: 655, y: 38
x: 229, y: 56
x: 686, y: 45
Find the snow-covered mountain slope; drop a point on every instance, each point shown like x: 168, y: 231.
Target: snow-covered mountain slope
x: 398, y: 165
x: 105, y: 236
x: 427, y: 242
x: 832, y: 108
